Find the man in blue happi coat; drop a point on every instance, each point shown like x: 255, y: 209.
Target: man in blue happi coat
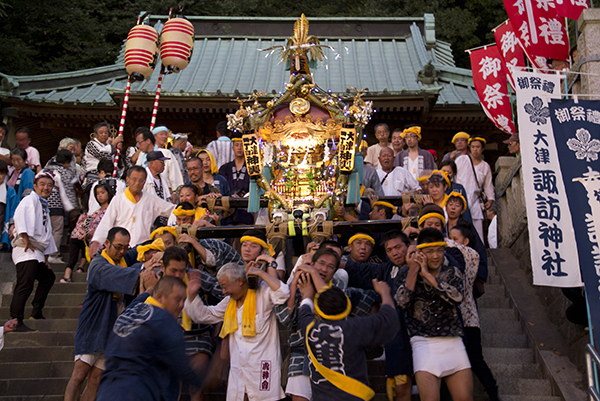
x: 109, y: 279
x: 145, y: 354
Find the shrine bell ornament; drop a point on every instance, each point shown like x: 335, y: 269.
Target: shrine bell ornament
x: 176, y: 44
x: 141, y: 52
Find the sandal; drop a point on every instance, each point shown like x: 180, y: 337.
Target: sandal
x: 65, y: 280
x: 80, y: 270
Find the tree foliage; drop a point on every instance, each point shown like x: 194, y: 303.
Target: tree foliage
x: 40, y: 36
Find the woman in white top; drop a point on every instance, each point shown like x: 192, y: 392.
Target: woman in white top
x: 469, y: 165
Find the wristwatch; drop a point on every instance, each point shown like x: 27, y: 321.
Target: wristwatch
x: 273, y: 265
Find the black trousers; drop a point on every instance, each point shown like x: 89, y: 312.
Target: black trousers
x: 479, y: 367
x: 75, y: 246
x: 27, y: 273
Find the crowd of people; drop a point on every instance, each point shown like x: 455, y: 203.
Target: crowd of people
x: 165, y: 306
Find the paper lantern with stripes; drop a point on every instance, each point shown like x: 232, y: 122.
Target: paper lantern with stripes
x: 141, y: 51
x: 176, y: 44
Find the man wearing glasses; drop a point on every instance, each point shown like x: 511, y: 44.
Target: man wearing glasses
x: 414, y: 159
x: 109, y: 279
x: 133, y: 210
x: 32, y: 244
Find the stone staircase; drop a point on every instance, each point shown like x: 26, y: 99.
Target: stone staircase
x: 37, y: 366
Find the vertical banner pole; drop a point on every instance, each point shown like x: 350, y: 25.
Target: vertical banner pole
x: 122, y: 125
x: 156, y: 99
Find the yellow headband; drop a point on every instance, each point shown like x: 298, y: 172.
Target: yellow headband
x: 236, y: 140
x: 156, y: 245
x: 162, y: 230
x: 181, y: 212
x: 455, y: 194
x: 364, y: 144
x: 460, y: 134
x: 428, y: 215
x: 339, y: 316
x: 443, y: 174
x: 214, y: 169
x: 260, y: 242
x: 361, y: 236
x: 386, y: 204
x: 477, y: 138
x: 430, y: 244
x: 414, y: 130
x: 423, y: 178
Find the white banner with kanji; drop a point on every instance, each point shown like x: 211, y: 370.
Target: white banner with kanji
x: 554, y: 257
x: 489, y: 78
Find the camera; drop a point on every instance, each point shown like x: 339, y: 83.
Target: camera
x: 252, y: 279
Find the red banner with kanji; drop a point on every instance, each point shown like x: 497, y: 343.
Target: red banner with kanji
x: 571, y: 8
x: 489, y: 77
x: 510, y: 49
x: 542, y: 33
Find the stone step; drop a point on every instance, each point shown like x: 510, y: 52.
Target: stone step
x: 493, y: 327
x: 37, y: 354
x: 495, y: 291
x: 39, y: 339
x: 24, y: 370
x: 516, y: 371
x: 508, y: 355
x: 49, y: 312
x: 509, y: 397
x: 69, y: 288
x: 46, y: 386
x: 497, y: 314
x: 53, y: 324
x: 501, y: 340
x: 518, y: 387
x: 493, y: 302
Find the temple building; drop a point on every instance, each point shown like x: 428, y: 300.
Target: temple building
x: 410, y: 76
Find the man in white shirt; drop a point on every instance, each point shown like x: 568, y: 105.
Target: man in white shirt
x: 172, y: 173
x: 394, y: 180
x: 221, y: 149
x: 23, y: 139
x: 382, y: 133
x: 156, y: 182
x: 31, y: 247
x: 133, y: 210
x: 250, y: 326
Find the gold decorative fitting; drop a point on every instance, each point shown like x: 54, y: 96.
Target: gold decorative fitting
x: 300, y: 132
x: 299, y: 106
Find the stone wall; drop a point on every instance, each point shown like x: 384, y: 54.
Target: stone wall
x: 513, y: 234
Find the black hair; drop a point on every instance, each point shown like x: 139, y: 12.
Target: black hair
x: 3, y: 167
x: 106, y: 165
x: 112, y: 233
x: 327, y: 251
x: 64, y: 156
x: 19, y: 152
x: 4, y: 127
x: 382, y: 125
x: 256, y: 233
x: 397, y: 130
x: 100, y: 125
x: 467, y: 231
x: 331, y: 244
x: 428, y: 235
x: 222, y: 129
x: 389, y: 212
x: 166, y: 284
x: 456, y: 198
x: 107, y: 187
x: 174, y: 253
x: 25, y: 130
x: 332, y: 301
x: 451, y: 164
x: 194, y: 159
x: 192, y: 187
x: 186, y: 206
x: 138, y: 169
x: 146, y: 134
x: 411, y: 125
x: 393, y: 234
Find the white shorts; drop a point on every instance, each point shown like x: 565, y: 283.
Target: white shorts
x: 97, y: 359
x: 299, y: 386
x: 440, y: 356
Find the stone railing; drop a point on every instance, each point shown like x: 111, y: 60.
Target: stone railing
x: 513, y: 234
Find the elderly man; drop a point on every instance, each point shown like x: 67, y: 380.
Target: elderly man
x: 461, y: 143
x: 107, y: 280
x: 250, y: 326
x: 414, y: 159
x: 382, y: 133
x: 144, y: 142
x: 99, y: 148
x: 33, y: 244
x: 397, y: 141
x: 156, y: 182
x: 180, y: 142
x: 395, y: 180
x: 514, y: 146
x: 196, y: 173
x: 221, y: 149
x: 172, y: 173
x: 133, y: 210
x: 22, y: 140
x: 145, y: 355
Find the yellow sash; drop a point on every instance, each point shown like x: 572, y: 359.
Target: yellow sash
x: 129, y: 196
x: 186, y: 322
x: 156, y: 245
x: 230, y: 323
x: 153, y: 301
x: 200, y: 211
x: 344, y: 383
x: 444, y: 201
x: 122, y: 263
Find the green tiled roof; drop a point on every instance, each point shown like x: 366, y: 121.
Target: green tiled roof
x: 228, y: 65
